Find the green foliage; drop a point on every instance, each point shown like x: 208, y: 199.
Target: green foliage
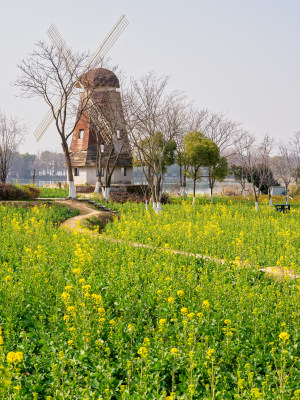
x: 238, y: 172
x: 157, y: 150
x: 53, y: 193
x: 219, y: 171
x: 18, y: 192
x: 200, y: 151
x: 263, y: 179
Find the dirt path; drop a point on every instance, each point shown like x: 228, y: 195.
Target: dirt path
x: 86, y: 212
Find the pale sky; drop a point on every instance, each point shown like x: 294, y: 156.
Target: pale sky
x: 241, y: 57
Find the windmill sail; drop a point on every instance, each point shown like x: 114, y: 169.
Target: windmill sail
x: 96, y: 116
x: 100, y: 53
x: 47, y: 120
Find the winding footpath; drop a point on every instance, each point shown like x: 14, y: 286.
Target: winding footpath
x: 87, y: 212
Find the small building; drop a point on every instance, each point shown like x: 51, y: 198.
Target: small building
x: 278, y: 191
x: 83, y: 149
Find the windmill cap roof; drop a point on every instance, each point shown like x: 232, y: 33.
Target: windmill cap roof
x: 100, y: 77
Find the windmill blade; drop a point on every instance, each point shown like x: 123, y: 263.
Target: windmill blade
x: 96, y: 116
x: 61, y: 46
x: 47, y: 120
x: 100, y: 122
x: 108, y: 42
x: 99, y: 54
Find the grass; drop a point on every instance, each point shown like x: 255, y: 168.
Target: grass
x: 53, y: 193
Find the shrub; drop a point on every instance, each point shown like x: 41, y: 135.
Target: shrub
x: 12, y: 192
x: 32, y: 192
x: 295, y: 190
x: 165, y: 198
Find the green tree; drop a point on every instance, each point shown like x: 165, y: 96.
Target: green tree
x: 240, y: 175
x: 200, y: 151
x: 217, y: 172
x: 155, y: 155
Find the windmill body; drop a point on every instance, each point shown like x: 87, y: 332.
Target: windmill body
x: 106, y: 97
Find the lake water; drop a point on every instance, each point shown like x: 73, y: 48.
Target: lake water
x: 170, y: 185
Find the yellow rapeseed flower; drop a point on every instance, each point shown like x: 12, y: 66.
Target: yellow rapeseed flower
x: 210, y: 352
x: 180, y: 293
x: 205, y: 304
x: 76, y: 271
x: 143, y: 352
x: 14, y: 357
x: 284, y: 336
x: 174, y: 351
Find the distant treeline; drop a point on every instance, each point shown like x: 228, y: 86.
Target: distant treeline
x: 47, y: 165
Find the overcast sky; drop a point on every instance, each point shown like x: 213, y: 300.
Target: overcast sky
x: 241, y: 57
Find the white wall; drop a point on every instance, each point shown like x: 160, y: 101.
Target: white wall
x: 87, y: 175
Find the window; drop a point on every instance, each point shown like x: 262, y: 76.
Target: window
x: 123, y: 171
x: 81, y: 132
x: 76, y: 171
x: 119, y: 135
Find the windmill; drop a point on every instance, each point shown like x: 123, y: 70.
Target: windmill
x: 95, y: 114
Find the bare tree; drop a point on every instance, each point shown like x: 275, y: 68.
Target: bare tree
x: 221, y: 130
x: 247, y: 154
x: 108, y: 155
x: 45, y: 74
x: 265, y: 165
x: 153, y: 119
x: 295, y: 149
x: 11, y: 136
x: 284, y: 168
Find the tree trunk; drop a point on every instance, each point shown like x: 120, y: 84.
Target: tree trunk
x: 72, y: 189
x: 180, y: 176
x: 270, y: 197
x: 106, y: 193
x: 211, y: 195
x: 184, y: 182
x: 194, y: 190
x: 243, y: 189
x: 286, y: 194
x: 97, y: 187
x: 154, y: 206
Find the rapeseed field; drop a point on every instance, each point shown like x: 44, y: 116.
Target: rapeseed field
x: 86, y: 318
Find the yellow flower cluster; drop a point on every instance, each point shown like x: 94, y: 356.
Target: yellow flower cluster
x: 14, y: 357
x: 284, y: 336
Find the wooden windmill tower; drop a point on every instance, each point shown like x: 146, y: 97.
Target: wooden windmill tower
x: 97, y: 118
x: 87, y: 135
